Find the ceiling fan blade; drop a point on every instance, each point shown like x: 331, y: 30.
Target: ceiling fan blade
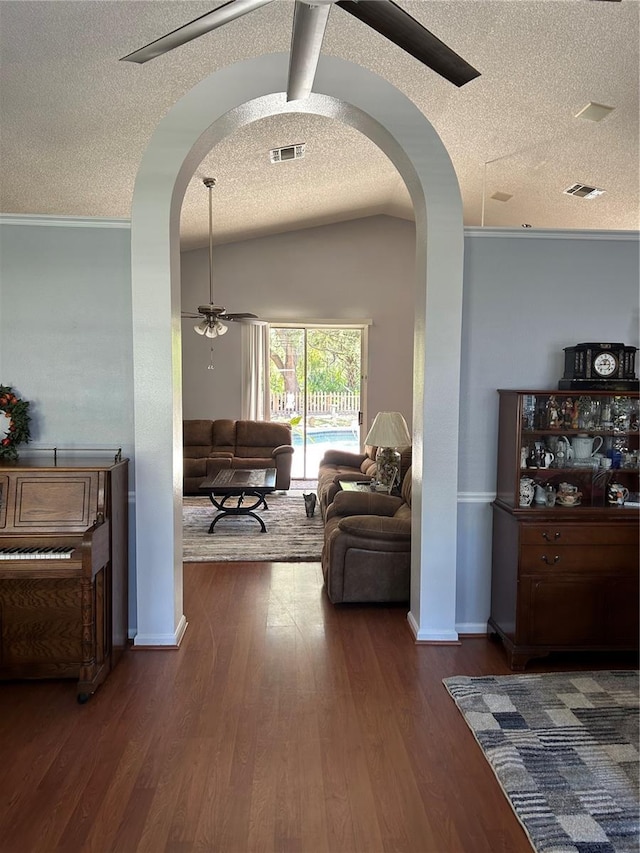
x: 309, y: 25
x: 204, y: 24
x: 186, y: 315
x: 398, y: 26
x: 248, y: 319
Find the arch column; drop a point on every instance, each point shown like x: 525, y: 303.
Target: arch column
x: 215, y: 108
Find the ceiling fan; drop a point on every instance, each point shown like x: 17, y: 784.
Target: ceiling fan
x: 210, y: 315
x: 310, y: 19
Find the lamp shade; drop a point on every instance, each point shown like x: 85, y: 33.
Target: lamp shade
x: 389, y: 429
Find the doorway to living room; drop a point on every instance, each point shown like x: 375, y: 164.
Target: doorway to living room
x: 228, y: 98
x: 317, y: 383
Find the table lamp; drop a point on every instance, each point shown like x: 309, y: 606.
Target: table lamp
x: 388, y: 432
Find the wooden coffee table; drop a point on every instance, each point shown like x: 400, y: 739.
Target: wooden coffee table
x: 239, y: 483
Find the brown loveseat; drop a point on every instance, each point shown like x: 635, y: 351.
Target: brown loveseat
x: 367, y: 546
x: 209, y: 446
x: 338, y: 465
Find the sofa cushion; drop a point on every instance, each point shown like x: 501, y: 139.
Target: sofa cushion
x: 248, y: 462
x: 379, y: 527
x: 195, y: 467
x: 369, y: 467
x: 197, y: 438
x: 341, y: 459
x: 364, y: 503
x: 224, y: 435
x: 258, y: 438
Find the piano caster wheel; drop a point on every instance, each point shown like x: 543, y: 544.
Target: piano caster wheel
x: 83, y: 698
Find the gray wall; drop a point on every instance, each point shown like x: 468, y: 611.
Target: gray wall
x: 352, y: 271
x: 65, y: 335
x: 65, y: 331
x: 527, y: 294
x: 65, y: 325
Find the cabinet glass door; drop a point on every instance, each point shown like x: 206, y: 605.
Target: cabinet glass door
x: 584, y: 449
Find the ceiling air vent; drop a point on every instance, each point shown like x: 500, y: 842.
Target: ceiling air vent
x: 583, y: 191
x: 500, y: 196
x: 594, y: 112
x: 289, y: 152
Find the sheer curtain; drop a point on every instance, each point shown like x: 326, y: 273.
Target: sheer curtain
x: 255, y: 373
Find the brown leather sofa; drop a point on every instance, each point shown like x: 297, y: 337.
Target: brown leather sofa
x: 338, y: 465
x: 366, y: 555
x: 211, y: 445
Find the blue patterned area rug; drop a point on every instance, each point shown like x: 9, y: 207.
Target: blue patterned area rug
x: 564, y: 748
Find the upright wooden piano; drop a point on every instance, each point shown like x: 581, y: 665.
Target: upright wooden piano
x: 63, y: 569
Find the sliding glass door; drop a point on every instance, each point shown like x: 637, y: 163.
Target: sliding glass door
x: 316, y: 383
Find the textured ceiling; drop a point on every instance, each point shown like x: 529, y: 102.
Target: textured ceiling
x: 75, y: 120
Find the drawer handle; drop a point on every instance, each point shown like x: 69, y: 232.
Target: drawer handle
x: 546, y: 536
x: 546, y: 560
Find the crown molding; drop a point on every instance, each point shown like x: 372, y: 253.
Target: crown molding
x: 62, y: 221
x: 550, y: 234
x: 55, y: 221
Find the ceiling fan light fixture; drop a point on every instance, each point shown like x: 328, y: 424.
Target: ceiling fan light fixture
x: 210, y: 325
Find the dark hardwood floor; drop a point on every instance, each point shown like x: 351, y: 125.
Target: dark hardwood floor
x: 283, y: 723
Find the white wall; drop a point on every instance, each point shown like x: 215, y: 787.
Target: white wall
x: 351, y: 271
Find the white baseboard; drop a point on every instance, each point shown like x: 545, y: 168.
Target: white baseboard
x: 430, y: 636
x: 166, y: 641
x: 479, y: 628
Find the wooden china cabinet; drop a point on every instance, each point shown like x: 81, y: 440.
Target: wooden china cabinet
x: 565, y: 576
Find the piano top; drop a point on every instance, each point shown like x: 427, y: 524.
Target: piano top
x: 44, y: 461
x: 65, y: 499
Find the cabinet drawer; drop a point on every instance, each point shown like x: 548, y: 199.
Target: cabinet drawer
x: 579, y: 534
x: 535, y: 559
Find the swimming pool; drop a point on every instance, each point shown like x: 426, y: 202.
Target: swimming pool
x: 326, y: 435
x: 319, y: 440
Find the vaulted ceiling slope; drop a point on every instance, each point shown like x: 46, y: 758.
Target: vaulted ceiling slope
x: 76, y: 120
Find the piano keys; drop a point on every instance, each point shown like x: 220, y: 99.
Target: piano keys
x: 60, y: 553
x: 63, y: 570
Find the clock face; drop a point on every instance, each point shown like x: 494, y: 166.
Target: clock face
x: 605, y: 364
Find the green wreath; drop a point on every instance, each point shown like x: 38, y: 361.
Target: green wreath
x: 14, y: 423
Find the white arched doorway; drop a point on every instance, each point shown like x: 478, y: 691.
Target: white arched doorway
x: 212, y: 110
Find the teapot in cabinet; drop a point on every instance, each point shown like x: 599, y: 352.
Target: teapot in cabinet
x: 583, y: 447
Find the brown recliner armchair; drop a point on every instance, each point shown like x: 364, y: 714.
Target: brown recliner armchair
x: 367, y: 546
x: 338, y: 465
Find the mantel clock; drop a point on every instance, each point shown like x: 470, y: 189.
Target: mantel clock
x: 605, y: 366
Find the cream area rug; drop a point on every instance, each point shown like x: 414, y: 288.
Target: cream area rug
x: 564, y: 748
x: 290, y: 536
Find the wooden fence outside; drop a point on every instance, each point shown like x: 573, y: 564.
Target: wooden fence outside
x: 318, y: 403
